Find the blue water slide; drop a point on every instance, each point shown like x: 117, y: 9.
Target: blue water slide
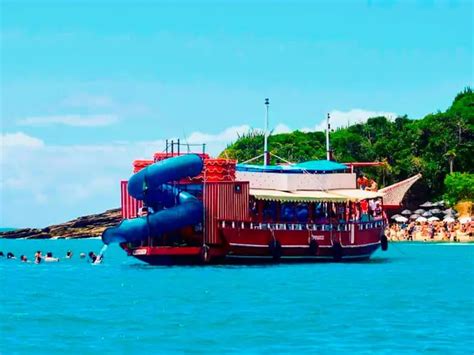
x: 180, y: 208
x: 154, y: 176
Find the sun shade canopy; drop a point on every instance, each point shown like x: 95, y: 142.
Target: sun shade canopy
x: 310, y: 196
x: 320, y: 166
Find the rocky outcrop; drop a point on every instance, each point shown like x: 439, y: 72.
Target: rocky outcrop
x: 82, y: 227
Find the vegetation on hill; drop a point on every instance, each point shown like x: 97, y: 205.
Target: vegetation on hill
x: 432, y: 146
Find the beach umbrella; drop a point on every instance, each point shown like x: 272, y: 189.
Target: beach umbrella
x: 464, y: 220
x: 406, y: 212
x: 435, y: 211
x: 421, y: 219
x: 448, y: 219
x: 449, y: 211
x: 440, y: 203
x: 401, y: 219
x: 427, y: 214
x: 420, y: 211
x: 414, y: 216
x: 395, y: 216
x: 432, y: 219
x: 427, y: 204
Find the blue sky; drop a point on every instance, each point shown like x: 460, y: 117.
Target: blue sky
x: 86, y: 87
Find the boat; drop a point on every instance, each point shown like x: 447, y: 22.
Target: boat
x: 183, y: 208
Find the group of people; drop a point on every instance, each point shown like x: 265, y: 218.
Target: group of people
x: 431, y: 231
x: 364, y: 183
x: 39, y: 257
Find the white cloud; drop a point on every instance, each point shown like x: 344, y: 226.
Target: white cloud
x: 88, y: 101
x: 281, y: 128
x: 344, y: 118
x: 70, y: 120
x: 20, y: 139
x: 224, y: 136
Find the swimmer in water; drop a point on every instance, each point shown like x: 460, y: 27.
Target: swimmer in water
x: 69, y: 254
x: 24, y: 259
x: 38, y: 257
x: 50, y: 258
x: 10, y: 255
x: 82, y: 255
x: 1, y: 254
x: 94, y: 258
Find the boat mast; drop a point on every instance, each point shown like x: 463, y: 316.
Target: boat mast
x: 328, y: 147
x: 265, y: 140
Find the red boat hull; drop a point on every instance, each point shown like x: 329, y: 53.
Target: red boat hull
x: 260, y: 245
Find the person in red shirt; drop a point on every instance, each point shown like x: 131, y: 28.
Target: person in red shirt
x: 364, y: 207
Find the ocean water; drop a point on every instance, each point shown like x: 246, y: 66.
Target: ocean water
x: 413, y: 298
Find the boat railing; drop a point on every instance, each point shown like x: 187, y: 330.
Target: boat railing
x: 327, y: 227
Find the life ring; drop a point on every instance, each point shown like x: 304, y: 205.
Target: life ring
x: 205, y: 257
x: 337, y: 251
x: 275, y: 249
x: 313, y: 246
x: 384, y: 242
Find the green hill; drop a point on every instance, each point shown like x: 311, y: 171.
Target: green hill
x: 408, y: 146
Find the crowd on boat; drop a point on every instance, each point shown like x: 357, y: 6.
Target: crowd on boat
x: 317, y: 212
x: 39, y: 257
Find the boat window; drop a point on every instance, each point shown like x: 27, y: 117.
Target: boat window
x: 287, y: 212
x: 269, y: 211
x: 302, y: 212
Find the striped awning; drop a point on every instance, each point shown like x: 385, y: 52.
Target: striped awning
x: 313, y: 195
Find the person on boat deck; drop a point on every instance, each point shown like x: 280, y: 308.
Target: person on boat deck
x: 372, y: 185
x: 38, y: 257
x: 23, y: 259
x: 364, y: 207
x: 378, y: 210
x: 69, y: 254
x: 10, y: 255
x: 50, y: 258
x: 363, y: 182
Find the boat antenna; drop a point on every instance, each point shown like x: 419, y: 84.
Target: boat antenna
x: 328, y: 147
x: 265, y: 140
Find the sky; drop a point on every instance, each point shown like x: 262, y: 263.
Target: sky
x: 86, y: 87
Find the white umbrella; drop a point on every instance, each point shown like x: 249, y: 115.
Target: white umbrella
x: 448, y: 219
x: 431, y: 219
x: 401, y: 219
x: 449, y: 211
x: 464, y: 220
x: 427, y: 204
x: 421, y: 219
x: 406, y: 212
x: 395, y: 216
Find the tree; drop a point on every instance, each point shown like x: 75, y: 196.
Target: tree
x: 459, y: 187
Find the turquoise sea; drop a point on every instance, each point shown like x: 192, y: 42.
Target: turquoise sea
x: 413, y: 298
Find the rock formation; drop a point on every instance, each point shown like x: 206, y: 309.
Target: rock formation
x: 82, y: 227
